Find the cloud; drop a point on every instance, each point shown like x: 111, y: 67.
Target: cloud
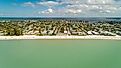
x: 103, y: 8
x: 78, y: 7
x: 48, y: 3
x: 30, y: 4
x: 73, y: 1
x: 48, y: 11
x: 73, y: 11
x: 95, y: 6
x: 100, y: 2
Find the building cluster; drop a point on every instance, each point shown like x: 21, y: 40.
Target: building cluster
x: 59, y: 28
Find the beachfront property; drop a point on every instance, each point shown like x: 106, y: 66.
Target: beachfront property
x: 59, y: 27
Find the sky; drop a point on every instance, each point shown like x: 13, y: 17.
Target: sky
x: 60, y: 8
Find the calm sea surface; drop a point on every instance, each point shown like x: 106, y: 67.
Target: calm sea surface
x: 60, y: 54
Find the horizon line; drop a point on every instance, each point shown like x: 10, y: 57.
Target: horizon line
x: 59, y: 17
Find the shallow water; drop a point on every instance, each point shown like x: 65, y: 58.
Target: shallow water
x: 60, y: 54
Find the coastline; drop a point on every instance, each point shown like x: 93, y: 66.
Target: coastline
x: 30, y: 37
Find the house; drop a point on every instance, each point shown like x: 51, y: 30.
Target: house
x: 89, y: 33
x: 95, y: 33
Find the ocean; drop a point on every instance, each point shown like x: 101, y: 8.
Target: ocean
x: 60, y: 54
x: 118, y: 19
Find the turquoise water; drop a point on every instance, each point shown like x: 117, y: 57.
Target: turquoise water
x: 60, y: 54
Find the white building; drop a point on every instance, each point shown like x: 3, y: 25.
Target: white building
x: 89, y: 33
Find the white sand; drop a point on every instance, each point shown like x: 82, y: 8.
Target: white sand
x: 60, y: 37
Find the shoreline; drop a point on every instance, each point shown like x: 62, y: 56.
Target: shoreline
x: 32, y: 37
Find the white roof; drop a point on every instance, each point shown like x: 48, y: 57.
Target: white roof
x: 89, y: 32
x: 95, y: 32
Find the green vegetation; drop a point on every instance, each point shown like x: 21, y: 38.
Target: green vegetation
x: 59, y: 27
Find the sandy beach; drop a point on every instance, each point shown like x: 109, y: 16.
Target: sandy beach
x: 29, y: 37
